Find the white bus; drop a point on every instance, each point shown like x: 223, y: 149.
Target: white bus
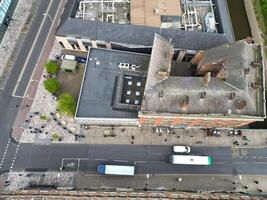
x: 116, y: 170
x: 190, y: 160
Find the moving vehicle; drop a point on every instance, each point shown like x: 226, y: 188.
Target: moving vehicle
x: 181, y: 149
x: 190, y: 160
x: 116, y: 170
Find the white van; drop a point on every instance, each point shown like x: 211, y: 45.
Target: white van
x: 68, y: 57
x: 181, y: 149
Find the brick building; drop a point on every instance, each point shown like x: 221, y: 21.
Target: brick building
x: 169, y: 78
x: 220, y: 87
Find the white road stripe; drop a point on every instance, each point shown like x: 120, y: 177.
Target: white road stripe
x: 120, y: 160
x: 29, y: 55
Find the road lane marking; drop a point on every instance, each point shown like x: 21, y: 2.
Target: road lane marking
x: 250, y: 163
x: 136, y: 162
x: 30, y: 54
x: 14, y: 158
x: 100, y: 159
x: 120, y: 160
x: 5, y: 153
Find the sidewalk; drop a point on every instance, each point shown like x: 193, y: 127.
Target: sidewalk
x: 150, y: 182
x: 14, y: 36
x: 34, y: 82
x: 37, y: 133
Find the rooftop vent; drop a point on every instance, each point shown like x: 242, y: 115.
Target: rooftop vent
x: 184, y: 105
x: 156, y: 11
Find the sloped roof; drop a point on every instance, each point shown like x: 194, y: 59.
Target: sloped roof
x: 167, y: 95
x: 139, y: 35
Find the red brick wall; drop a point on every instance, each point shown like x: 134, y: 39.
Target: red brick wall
x: 197, y: 122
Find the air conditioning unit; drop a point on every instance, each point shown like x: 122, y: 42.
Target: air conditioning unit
x: 124, y: 66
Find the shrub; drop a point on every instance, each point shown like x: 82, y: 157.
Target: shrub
x: 51, y: 85
x: 66, y: 104
x: 55, y: 137
x: 43, y: 117
x: 51, y: 67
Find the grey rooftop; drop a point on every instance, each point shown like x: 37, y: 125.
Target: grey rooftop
x: 99, y: 83
x: 139, y: 35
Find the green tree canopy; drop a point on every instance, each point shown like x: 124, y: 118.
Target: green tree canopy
x: 55, y: 137
x: 66, y: 104
x: 51, y: 85
x: 51, y: 67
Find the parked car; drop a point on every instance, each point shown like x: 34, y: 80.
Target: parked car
x: 181, y: 149
x: 68, y: 57
x: 235, y: 132
x: 80, y: 59
x: 214, y: 132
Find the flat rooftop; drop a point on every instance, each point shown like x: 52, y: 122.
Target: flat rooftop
x: 103, y: 81
x: 149, y: 12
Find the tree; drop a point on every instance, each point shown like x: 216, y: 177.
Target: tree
x: 51, y: 85
x: 51, y: 67
x: 66, y: 104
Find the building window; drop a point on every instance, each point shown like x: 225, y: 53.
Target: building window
x: 87, y: 45
x: 77, y: 45
x: 61, y: 44
x: 73, y: 46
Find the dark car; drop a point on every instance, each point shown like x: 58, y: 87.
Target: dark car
x: 80, y: 59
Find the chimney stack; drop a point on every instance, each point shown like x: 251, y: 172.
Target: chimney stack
x: 241, y: 104
x: 197, y: 58
x: 220, y: 74
x: 206, y: 79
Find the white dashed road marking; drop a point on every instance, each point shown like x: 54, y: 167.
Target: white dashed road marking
x: 4, y: 154
x: 14, y: 158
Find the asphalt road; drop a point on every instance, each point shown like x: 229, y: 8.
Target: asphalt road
x: 9, y: 104
x: 148, y: 159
